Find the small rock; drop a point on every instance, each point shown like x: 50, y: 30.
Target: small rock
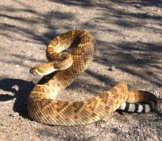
x: 112, y: 68
x: 13, y: 114
x: 15, y: 87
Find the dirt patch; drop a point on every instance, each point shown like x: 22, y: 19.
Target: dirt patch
x: 128, y: 37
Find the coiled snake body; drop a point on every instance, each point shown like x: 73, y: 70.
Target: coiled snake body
x: 44, y: 108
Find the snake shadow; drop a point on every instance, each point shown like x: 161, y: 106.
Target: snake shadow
x: 18, y: 90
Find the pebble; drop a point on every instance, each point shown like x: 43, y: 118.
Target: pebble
x: 16, y: 88
x: 112, y: 68
x: 13, y: 114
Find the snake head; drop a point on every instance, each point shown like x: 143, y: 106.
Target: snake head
x: 43, y: 69
x: 36, y: 71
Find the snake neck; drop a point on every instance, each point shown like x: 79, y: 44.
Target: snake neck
x: 64, y: 78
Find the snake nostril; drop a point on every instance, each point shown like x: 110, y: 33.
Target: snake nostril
x: 32, y: 71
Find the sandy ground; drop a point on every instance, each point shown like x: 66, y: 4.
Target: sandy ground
x: 128, y: 37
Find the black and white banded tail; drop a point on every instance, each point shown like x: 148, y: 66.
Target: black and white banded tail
x: 138, y: 107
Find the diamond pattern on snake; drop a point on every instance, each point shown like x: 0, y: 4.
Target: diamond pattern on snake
x: 61, y: 70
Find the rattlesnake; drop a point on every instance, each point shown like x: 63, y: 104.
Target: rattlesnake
x: 42, y: 104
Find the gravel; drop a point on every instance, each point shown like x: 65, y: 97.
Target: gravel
x: 128, y: 48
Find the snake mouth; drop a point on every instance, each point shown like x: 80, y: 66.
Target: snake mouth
x: 32, y: 71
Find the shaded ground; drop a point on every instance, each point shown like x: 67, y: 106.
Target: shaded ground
x: 128, y: 36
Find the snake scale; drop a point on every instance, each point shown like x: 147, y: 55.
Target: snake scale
x: 61, y: 70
